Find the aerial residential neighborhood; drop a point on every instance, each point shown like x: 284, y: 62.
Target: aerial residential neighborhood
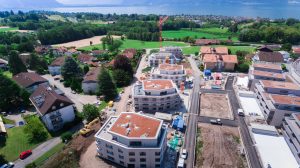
x: 149, y: 85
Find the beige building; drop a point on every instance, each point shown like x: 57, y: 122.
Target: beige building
x: 132, y: 140
x: 169, y: 71
x: 156, y: 95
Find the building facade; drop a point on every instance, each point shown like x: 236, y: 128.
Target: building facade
x: 291, y: 133
x: 55, y: 67
x: 277, y: 100
x: 174, y: 72
x: 156, y: 95
x: 90, y: 81
x: 54, y: 109
x: 132, y: 140
x: 161, y: 58
x: 30, y: 81
x: 176, y: 51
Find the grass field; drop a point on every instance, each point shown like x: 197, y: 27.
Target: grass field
x: 16, y: 142
x: 137, y: 44
x: 8, y: 29
x: 209, y: 33
x: 233, y: 49
x: 39, y: 161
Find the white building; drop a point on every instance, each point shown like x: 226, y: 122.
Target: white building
x: 169, y: 71
x: 156, y: 95
x: 90, y: 81
x: 291, y: 133
x: 55, y: 110
x: 132, y: 140
x: 177, y: 51
x: 55, y: 67
x: 30, y: 80
x: 161, y: 58
x: 285, y: 54
x: 272, y: 148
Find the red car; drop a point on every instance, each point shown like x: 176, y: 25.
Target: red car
x: 25, y: 154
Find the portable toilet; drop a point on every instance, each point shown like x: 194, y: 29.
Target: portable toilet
x: 207, y: 72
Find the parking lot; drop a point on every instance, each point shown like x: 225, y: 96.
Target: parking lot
x: 215, y: 105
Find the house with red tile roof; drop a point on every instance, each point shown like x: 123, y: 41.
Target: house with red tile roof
x: 55, y: 67
x: 54, y: 109
x: 266, y: 54
x: 129, y: 52
x: 201, y: 42
x: 219, y: 62
x: 30, y: 81
x: 90, y: 81
x: 85, y: 58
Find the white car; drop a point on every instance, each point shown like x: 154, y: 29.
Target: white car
x: 183, y: 154
x: 180, y: 163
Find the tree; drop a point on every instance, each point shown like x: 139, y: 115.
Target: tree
x: 35, y: 130
x: 86, y: 69
x: 15, y: 63
x: 115, y: 46
x: 291, y: 21
x: 106, y: 86
x: 38, y: 64
x: 66, y: 136
x: 122, y: 62
x: 31, y: 165
x: 2, y: 159
x: 286, y: 47
x: 71, y: 70
x: 121, y: 77
x: 233, y: 28
x: 76, y: 85
x: 243, y: 67
x: 11, y: 95
x: 90, y: 112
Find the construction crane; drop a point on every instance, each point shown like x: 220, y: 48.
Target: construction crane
x: 160, y: 23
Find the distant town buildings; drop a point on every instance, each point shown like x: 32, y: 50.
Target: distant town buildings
x: 291, y: 133
x: 217, y: 59
x: 30, y: 81
x: 202, y: 42
x: 54, y: 109
x: 55, y: 67
x: 132, y: 140
x: 90, y: 81
x: 155, y: 95
x: 169, y: 71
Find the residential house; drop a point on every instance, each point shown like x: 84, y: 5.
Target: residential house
x: 156, y: 95
x: 30, y: 81
x: 219, y: 62
x: 59, y: 51
x: 132, y: 140
x: 266, y: 54
x: 202, y: 42
x: 129, y: 52
x: 90, y: 81
x: 291, y: 133
x: 213, y: 50
x: 43, y: 49
x: 55, y: 110
x: 169, y: 71
x: 85, y: 58
x: 55, y: 67
x: 72, y: 51
x: 277, y: 100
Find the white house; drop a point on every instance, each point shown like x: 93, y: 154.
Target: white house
x: 55, y: 67
x: 169, y: 71
x: 55, y: 110
x: 90, y: 81
x: 30, y: 80
x: 132, y: 140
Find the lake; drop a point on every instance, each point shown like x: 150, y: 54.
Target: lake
x: 246, y: 8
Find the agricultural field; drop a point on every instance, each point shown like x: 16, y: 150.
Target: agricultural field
x: 209, y: 33
x: 137, y: 44
x: 5, y: 29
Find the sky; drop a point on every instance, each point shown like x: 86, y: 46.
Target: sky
x: 93, y: 2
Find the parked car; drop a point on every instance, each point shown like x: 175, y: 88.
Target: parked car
x: 180, y: 163
x: 241, y: 112
x: 25, y: 154
x: 183, y: 154
x: 216, y: 122
x: 8, y: 165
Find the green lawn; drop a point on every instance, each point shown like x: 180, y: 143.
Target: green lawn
x: 137, y: 44
x: 193, y: 49
x: 209, y: 33
x: 39, y: 161
x: 8, y: 29
x: 15, y: 142
x: 7, y: 74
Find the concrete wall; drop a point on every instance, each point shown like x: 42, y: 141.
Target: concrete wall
x: 54, y: 70
x: 90, y: 87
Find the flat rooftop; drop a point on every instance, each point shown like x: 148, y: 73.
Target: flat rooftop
x: 274, y: 150
x: 170, y: 67
x: 285, y: 99
x: 267, y: 66
x: 268, y: 74
x: 250, y: 106
x: 242, y: 81
x: 157, y: 84
x: 279, y: 85
x: 136, y: 125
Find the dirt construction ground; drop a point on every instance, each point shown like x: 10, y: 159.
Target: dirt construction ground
x: 215, y: 105
x: 220, y: 147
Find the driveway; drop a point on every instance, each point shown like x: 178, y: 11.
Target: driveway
x: 78, y: 99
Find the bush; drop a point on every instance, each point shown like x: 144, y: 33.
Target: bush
x: 31, y: 165
x: 66, y: 136
x: 90, y: 112
x: 35, y: 129
x: 67, y: 83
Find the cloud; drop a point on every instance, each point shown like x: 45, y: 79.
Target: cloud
x: 91, y: 2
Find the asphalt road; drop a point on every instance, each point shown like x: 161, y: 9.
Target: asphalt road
x: 247, y: 140
x: 191, y: 131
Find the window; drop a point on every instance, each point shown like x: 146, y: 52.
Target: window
x: 110, y: 152
x: 131, y: 159
x: 121, y: 162
x: 157, y: 160
x: 119, y: 150
x: 157, y: 165
x: 142, y: 165
x: 109, y: 146
x: 110, y: 158
x: 135, y: 143
x: 142, y: 159
x: 131, y: 153
x: 284, y: 91
x: 121, y: 157
x: 157, y: 153
x: 142, y: 153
